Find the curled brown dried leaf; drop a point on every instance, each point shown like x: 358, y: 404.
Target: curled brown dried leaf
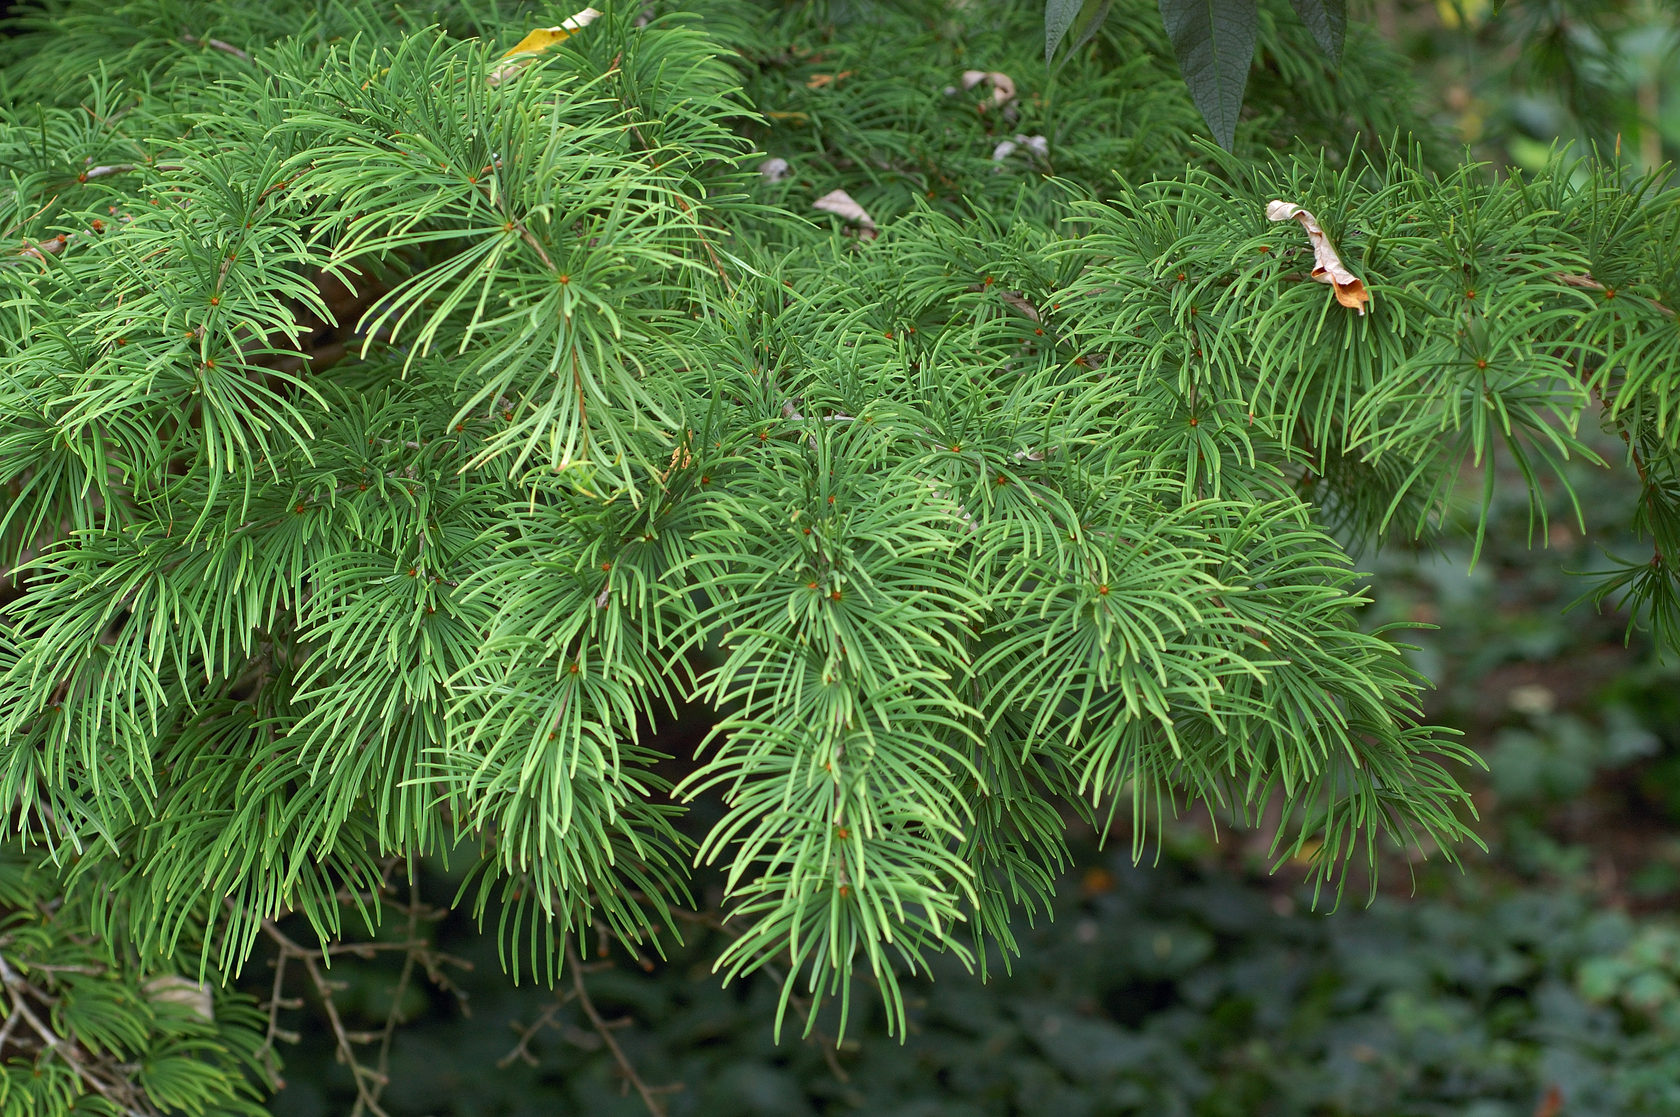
x: 1327, y: 265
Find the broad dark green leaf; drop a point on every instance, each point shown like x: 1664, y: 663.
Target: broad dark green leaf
x: 1081, y: 17
x: 1090, y: 22
x: 1214, y: 43
x: 1327, y: 20
x: 1058, y: 17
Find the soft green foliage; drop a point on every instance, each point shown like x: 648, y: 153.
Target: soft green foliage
x: 1195, y: 983
x: 389, y: 441
x: 91, y: 1025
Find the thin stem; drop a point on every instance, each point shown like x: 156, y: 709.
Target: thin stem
x: 122, y: 1095
x: 367, y: 1096
x: 394, y: 1016
x: 217, y: 44
x: 522, y: 1050
x: 602, y: 1029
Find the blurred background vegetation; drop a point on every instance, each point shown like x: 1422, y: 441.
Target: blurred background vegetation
x: 1543, y: 980
x: 1511, y: 78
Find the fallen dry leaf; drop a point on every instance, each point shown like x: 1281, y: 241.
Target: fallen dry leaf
x: 1327, y: 266
x: 540, y: 40
x: 1037, y: 145
x: 544, y: 37
x: 1003, y: 86
x: 819, y: 80
x: 841, y: 204
x: 774, y: 169
x: 184, y: 991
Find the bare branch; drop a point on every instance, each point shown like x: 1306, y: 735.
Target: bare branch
x: 604, y: 1030
x: 122, y: 1094
x: 217, y: 44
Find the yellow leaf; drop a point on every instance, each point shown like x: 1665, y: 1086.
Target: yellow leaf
x: 544, y: 37
x: 1458, y: 13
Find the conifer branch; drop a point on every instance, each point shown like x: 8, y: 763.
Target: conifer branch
x: 1027, y: 500
x: 1588, y: 283
x: 112, y: 1084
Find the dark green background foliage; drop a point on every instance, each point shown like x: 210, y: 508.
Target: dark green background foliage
x: 1161, y: 990
x: 428, y: 483
x: 1198, y: 984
